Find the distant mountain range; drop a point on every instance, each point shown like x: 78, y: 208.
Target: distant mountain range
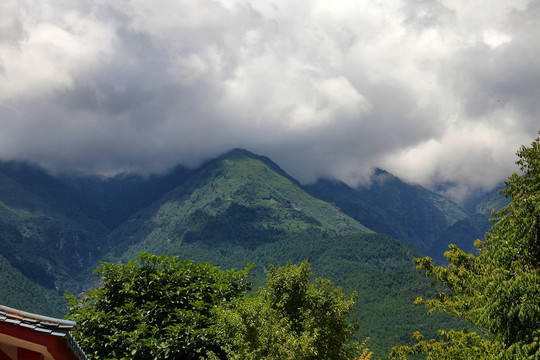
x: 418, y: 216
x: 236, y: 209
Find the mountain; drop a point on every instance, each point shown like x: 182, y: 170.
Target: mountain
x: 242, y: 208
x: 492, y: 200
x: 239, y: 208
x: 464, y: 232
x: 391, y: 206
x: 237, y: 199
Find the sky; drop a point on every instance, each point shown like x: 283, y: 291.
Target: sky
x: 435, y: 92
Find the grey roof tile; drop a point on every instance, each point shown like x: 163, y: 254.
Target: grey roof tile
x: 13, y: 321
x: 59, y: 334
x: 43, y: 330
x: 28, y: 326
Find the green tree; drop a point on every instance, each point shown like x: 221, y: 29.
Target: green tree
x: 156, y: 308
x: 291, y: 318
x: 498, y: 290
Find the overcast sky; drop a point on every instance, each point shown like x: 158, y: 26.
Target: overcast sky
x: 432, y: 91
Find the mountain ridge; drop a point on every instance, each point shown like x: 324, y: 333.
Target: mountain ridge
x: 391, y: 206
x: 235, y: 186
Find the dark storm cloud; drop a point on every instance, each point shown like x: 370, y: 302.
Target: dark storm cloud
x: 433, y: 91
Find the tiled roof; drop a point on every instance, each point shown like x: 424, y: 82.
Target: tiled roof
x: 45, y: 325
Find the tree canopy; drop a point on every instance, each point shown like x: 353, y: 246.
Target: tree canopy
x: 155, y: 308
x: 162, y: 308
x: 498, y: 289
x: 291, y: 318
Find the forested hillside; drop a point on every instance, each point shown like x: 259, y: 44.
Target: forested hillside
x: 112, y: 200
x: 17, y: 290
x: 237, y: 209
x: 463, y: 232
x: 46, y: 233
x: 419, y: 217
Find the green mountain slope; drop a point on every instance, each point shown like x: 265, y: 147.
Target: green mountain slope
x: 388, y: 205
x: 238, y: 199
x: 17, y: 291
x: 44, y: 231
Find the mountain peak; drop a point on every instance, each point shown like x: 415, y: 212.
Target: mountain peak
x: 241, y: 153
x: 239, y: 198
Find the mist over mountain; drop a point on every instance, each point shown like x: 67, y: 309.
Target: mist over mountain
x: 433, y: 92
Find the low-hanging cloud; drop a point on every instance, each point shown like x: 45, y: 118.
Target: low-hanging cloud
x: 432, y: 91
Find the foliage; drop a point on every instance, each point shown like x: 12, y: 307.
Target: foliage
x: 292, y: 318
x: 375, y: 266
x: 498, y: 290
x: 365, y: 355
x: 158, y: 307
x: 451, y: 345
x: 52, y: 235
x: 161, y: 307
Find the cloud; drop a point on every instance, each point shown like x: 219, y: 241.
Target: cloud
x: 442, y: 162
x: 433, y: 91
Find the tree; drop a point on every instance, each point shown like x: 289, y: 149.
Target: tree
x: 291, y: 318
x: 498, y: 290
x: 156, y: 308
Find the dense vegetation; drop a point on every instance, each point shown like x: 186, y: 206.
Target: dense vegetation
x: 45, y: 234
x: 157, y: 308
x: 164, y: 308
x: 497, y: 290
x: 290, y: 318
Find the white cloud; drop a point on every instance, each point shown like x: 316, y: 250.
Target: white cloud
x: 50, y: 55
x: 435, y: 91
x: 494, y: 38
x: 442, y: 161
